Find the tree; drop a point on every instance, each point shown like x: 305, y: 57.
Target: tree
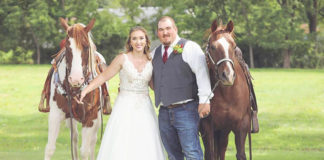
x: 37, y: 22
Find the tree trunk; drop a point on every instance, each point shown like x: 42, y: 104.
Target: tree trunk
x: 311, y: 12
x: 312, y: 16
x: 251, y: 56
x: 63, y: 5
x: 37, y: 47
x: 249, y: 32
x: 286, y: 53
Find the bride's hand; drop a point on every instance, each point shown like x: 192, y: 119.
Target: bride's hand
x: 83, y: 94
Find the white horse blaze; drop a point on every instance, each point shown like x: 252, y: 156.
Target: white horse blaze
x: 76, y: 67
x: 226, y: 45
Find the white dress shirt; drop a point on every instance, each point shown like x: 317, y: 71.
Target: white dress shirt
x: 194, y: 56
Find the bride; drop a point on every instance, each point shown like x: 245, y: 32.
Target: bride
x: 132, y: 130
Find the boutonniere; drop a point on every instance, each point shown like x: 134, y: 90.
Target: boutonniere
x: 178, y: 49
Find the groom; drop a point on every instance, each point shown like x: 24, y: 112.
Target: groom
x: 181, y: 87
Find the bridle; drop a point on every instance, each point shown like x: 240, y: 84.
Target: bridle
x: 217, y: 64
x: 66, y: 89
x: 88, y: 77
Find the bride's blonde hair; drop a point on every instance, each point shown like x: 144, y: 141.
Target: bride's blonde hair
x: 129, y: 47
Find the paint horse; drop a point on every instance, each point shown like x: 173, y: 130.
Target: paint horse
x: 230, y: 106
x: 73, y: 71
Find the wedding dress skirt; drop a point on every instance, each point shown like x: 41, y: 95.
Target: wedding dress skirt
x: 132, y: 131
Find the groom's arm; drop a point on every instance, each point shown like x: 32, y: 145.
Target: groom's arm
x: 195, y: 57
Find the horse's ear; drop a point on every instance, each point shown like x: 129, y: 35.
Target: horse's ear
x: 64, y: 23
x: 213, y: 27
x: 230, y: 26
x: 90, y: 25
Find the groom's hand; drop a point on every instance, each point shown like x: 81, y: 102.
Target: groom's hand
x: 203, y: 110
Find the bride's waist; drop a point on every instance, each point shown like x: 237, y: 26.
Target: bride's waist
x: 133, y: 90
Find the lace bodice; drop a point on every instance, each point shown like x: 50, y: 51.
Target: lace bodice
x: 132, y: 80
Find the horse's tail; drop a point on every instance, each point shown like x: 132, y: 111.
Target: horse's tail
x: 250, y: 144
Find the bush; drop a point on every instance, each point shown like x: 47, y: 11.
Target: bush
x: 18, y: 56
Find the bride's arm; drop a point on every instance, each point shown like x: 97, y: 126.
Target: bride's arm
x: 151, y: 84
x: 108, y: 73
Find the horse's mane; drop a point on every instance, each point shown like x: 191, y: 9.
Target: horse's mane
x: 84, y: 39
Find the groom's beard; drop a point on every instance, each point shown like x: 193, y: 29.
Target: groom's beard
x: 167, y: 43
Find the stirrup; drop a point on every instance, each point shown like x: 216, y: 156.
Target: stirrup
x: 107, y: 106
x: 255, y: 123
x: 41, y: 107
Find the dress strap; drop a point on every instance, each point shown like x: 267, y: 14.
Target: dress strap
x: 126, y: 57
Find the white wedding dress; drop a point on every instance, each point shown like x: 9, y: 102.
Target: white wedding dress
x: 132, y: 131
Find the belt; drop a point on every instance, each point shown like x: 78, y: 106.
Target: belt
x: 175, y: 105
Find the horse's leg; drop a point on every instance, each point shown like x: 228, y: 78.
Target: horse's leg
x: 240, y: 136
x: 207, y: 136
x: 89, y: 139
x: 54, y: 120
x: 223, y: 142
x: 217, y: 145
x: 75, y: 136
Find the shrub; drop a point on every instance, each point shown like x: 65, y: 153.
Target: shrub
x: 17, y: 56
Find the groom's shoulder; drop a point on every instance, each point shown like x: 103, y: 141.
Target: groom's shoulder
x: 155, y: 47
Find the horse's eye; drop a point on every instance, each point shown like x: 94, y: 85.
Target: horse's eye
x: 213, y: 48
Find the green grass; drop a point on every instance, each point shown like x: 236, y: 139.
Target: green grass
x: 291, y: 115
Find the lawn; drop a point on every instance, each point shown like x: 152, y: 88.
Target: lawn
x: 291, y: 115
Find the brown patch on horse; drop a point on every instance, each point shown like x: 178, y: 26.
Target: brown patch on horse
x: 68, y: 54
x: 86, y: 113
x: 80, y: 36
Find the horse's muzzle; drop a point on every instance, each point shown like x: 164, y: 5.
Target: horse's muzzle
x: 227, y: 78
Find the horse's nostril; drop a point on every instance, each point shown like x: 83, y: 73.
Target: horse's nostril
x: 224, y: 75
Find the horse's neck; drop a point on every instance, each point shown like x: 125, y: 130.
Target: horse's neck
x: 61, y: 69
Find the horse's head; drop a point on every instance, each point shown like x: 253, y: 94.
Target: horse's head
x: 79, y: 48
x: 221, y: 52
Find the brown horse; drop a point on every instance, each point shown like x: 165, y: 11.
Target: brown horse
x: 230, y: 106
x: 72, y: 72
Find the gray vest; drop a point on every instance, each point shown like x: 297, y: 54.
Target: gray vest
x: 173, y: 81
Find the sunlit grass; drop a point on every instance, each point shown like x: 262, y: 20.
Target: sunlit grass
x: 291, y: 115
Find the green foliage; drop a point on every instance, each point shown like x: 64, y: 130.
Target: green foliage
x: 268, y: 26
x: 17, y: 56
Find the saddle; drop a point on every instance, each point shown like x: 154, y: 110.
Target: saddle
x: 100, y: 67
x: 246, y: 71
